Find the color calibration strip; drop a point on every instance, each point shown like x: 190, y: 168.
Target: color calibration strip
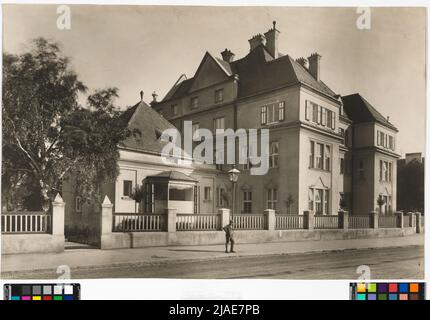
x: 42, y: 292
x: 387, y: 291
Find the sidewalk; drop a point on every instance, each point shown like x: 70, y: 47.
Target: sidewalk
x: 93, y: 258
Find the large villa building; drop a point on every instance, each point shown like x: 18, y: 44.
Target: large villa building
x: 327, y: 152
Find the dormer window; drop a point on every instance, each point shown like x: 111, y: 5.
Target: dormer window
x: 194, y: 102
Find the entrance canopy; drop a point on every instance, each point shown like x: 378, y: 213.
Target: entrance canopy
x: 171, y: 190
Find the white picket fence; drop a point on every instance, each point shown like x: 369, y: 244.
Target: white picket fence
x: 326, y: 222
x: 139, y: 222
x: 26, y: 222
x: 196, y: 222
x: 250, y: 221
x: 289, y: 222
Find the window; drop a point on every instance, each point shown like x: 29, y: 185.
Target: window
x: 308, y: 110
x: 127, y: 188
x: 319, y: 200
x: 273, y: 113
x: 78, y: 204
x: 174, y: 109
x: 219, y: 95
x: 342, y: 165
x: 327, y: 155
x: 281, y: 111
x: 220, y: 202
x: 247, y: 202
x: 312, y: 155
x: 311, y: 199
x: 195, y: 128
x: 194, y: 102
x: 263, y: 115
x: 385, y: 171
x: 320, y: 115
x: 315, y: 113
x: 219, y: 124
x: 274, y: 154
x: 319, y: 156
x: 272, y: 198
x: 326, y: 202
x: 385, y: 140
x: 207, y: 195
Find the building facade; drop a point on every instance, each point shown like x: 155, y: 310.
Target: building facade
x: 326, y: 152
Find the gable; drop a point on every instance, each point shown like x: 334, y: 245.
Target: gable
x: 210, y: 72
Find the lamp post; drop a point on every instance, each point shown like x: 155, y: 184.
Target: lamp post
x: 233, y: 177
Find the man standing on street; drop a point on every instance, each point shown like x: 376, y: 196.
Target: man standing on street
x: 228, y: 229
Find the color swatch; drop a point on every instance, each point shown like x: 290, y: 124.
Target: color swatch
x: 42, y: 292
x: 387, y: 291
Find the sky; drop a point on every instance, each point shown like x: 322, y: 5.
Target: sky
x: 147, y: 48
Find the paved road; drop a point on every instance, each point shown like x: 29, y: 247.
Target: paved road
x: 384, y: 263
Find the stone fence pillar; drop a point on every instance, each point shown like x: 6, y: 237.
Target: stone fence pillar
x: 418, y: 217
x: 343, y: 220
x: 225, y: 217
x: 400, y: 219
x: 106, y: 224
x: 270, y: 219
x: 171, y: 220
x: 58, y: 216
x: 411, y: 219
x: 374, y: 219
x: 308, y: 220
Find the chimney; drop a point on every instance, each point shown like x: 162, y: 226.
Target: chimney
x: 314, y: 65
x: 272, y: 41
x: 141, y: 95
x: 303, y: 62
x: 256, y: 40
x: 227, y: 55
x: 154, y: 98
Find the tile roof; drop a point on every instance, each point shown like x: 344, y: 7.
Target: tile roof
x: 258, y: 71
x: 360, y: 110
x: 150, y: 123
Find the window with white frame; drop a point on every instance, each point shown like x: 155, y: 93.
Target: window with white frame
x: 385, y: 140
x: 319, y: 156
x: 207, y: 194
x: 78, y: 204
x: 274, y: 154
x: 219, y: 124
x: 385, y: 171
x: 272, y: 198
x: 318, y: 200
x: 320, y: 115
x: 247, y: 201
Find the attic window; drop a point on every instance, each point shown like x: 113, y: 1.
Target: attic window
x: 162, y: 136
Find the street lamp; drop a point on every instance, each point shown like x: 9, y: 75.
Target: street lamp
x: 233, y: 175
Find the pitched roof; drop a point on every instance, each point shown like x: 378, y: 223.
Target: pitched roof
x: 149, y: 123
x: 258, y: 71
x: 360, y: 110
x: 173, y: 175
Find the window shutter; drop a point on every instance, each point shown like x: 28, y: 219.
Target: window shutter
x: 307, y: 110
x: 333, y: 120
